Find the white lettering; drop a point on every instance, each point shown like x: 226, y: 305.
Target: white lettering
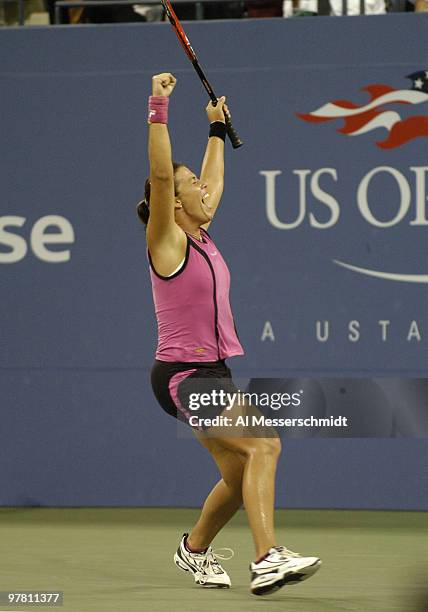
x: 16, y: 243
x: 354, y: 331
x: 268, y: 332
x: 325, y: 198
x: 322, y: 337
x: 270, y: 176
x: 405, y: 197
x: 39, y: 238
x: 384, y: 325
x: 414, y: 332
x: 420, y: 218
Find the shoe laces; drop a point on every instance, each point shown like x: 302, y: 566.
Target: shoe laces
x: 211, y: 558
x: 286, y: 552
x: 213, y: 555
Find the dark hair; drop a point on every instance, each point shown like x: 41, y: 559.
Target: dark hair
x: 143, y: 207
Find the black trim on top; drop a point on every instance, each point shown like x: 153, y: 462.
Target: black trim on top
x: 202, y: 236
x: 167, y: 278
x: 205, y: 231
x: 207, y: 259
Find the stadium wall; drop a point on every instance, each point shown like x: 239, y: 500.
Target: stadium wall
x: 321, y: 229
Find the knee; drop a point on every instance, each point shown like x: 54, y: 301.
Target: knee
x: 272, y: 446
x: 267, y: 447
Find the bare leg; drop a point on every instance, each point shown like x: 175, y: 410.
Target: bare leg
x: 248, y: 467
x: 223, y: 501
x: 219, y: 507
x: 258, y: 490
x: 259, y: 448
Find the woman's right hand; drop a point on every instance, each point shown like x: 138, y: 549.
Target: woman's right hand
x: 163, y: 84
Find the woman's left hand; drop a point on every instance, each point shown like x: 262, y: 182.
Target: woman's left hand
x: 217, y: 113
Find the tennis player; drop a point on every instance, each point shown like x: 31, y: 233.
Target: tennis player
x: 190, y: 282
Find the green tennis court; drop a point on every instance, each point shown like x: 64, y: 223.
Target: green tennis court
x: 121, y: 559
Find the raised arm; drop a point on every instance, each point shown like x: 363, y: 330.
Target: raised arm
x: 212, y: 172
x: 165, y: 240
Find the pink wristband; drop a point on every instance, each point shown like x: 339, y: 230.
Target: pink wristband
x: 158, y: 109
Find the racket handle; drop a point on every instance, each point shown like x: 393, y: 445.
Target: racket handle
x: 232, y: 133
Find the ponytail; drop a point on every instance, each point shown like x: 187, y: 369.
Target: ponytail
x: 143, y: 207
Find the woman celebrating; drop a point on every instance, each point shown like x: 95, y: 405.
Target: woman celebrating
x: 190, y: 282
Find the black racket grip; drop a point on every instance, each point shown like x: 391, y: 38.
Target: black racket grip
x: 232, y: 133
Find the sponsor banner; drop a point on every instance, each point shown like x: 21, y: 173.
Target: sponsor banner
x: 323, y: 221
x: 340, y: 278
x: 324, y: 231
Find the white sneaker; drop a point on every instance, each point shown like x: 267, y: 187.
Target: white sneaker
x: 280, y: 567
x: 205, y: 568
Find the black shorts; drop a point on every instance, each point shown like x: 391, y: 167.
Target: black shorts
x: 177, y: 384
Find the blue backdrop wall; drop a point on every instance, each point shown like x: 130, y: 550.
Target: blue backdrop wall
x: 323, y: 224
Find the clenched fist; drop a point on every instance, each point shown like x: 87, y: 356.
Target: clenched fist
x: 163, y: 84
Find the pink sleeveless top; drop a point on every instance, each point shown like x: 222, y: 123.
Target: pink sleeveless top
x: 195, y: 321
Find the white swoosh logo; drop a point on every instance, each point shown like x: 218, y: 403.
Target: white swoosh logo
x: 403, y: 278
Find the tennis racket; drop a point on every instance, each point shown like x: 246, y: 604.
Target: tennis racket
x: 181, y: 35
